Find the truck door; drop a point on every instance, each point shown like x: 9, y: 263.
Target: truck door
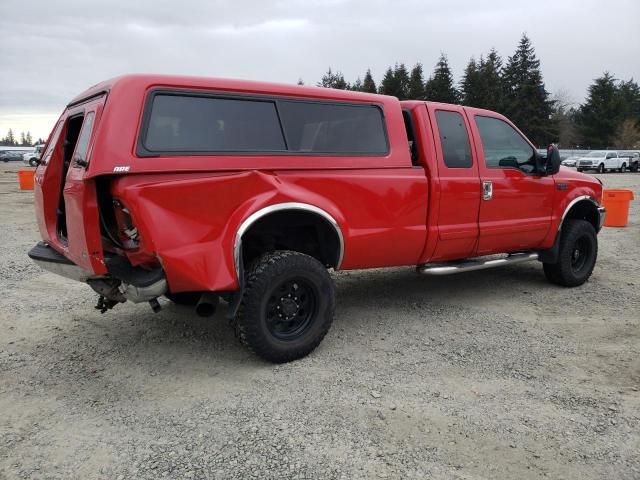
x: 516, y: 206
x: 459, y: 183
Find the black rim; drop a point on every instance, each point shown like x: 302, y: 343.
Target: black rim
x: 580, y: 254
x: 290, y: 308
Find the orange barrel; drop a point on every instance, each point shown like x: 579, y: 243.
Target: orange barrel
x: 25, y: 177
x: 617, y: 204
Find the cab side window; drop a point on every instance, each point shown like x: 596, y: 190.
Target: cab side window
x: 454, y: 139
x: 503, y: 146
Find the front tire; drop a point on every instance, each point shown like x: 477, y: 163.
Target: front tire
x: 33, y: 162
x: 287, y: 306
x: 623, y: 168
x: 577, y: 255
x: 601, y: 168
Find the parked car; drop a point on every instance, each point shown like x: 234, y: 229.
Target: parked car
x: 570, y: 161
x: 10, y: 155
x: 602, y: 161
x: 200, y: 189
x: 31, y: 158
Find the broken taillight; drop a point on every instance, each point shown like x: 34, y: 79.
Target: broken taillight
x: 127, y: 231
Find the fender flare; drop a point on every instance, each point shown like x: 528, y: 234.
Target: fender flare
x: 278, y: 207
x: 571, y: 205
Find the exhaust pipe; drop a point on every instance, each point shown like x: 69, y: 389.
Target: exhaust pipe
x: 207, y: 304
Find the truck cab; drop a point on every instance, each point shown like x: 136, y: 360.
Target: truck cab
x: 202, y: 190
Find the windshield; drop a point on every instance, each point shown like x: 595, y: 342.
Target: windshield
x: 596, y: 154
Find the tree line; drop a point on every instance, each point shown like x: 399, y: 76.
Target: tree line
x: 24, y: 140
x: 608, y: 117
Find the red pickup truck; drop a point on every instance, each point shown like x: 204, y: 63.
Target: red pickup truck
x: 199, y: 189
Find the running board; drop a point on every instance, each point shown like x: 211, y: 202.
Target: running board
x: 477, y: 264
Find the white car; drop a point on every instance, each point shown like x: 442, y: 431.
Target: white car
x: 570, y: 161
x: 31, y: 158
x: 601, y: 161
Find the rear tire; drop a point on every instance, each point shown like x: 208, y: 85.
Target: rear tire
x: 579, y: 169
x: 287, y: 306
x: 33, y: 162
x: 601, y: 168
x: 623, y: 168
x: 577, y: 255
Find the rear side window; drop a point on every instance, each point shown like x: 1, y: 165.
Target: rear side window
x: 83, y: 140
x: 200, y: 124
x: 330, y: 128
x: 180, y: 123
x: 52, y: 143
x: 454, y: 139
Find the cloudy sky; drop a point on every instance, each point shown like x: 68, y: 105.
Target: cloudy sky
x: 52, y: 50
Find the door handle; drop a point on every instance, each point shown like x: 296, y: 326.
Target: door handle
x: 487, y: 190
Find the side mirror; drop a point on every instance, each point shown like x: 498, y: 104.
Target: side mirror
x: 508, y: 162
x: 552, y: 165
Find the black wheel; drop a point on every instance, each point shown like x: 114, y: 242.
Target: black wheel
x: 634, y: 167
x: 623, y: 168
x: 577, y: 256
x: 33, y: 162
x: 579, y: 169
x: 184, y: 298
x: 601, y: 168
x: 287, y: 306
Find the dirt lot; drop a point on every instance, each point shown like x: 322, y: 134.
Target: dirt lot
x: 493, y: 374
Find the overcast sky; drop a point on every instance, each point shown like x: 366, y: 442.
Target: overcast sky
x: 52, y: 50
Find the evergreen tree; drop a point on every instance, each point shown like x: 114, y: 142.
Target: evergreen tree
x: 440, y: 86
x: 527, y: 101
x: 333, y: 80
x: 629, y: 93
x: 368, y: 85
x: 388, y: 84
x: 300, y: 81
x: 401, y: 75
x: 416, y: 83
x: 599, y: 117
x: 29, y: 139
x: 23, y: 140
x: 357, y: 85
x: 10, y: 138
x: 491, y: 89
x: 470, y: 85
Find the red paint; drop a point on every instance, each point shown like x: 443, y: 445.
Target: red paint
x: 189, y: 209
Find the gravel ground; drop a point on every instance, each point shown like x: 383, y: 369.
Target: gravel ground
x: 493, y: 374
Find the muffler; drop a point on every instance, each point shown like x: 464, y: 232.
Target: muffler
x: 207, y: 304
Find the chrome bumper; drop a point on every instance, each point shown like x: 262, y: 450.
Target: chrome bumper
x: 49, y: 259
x: 134, y: 284
x: 602, y: 212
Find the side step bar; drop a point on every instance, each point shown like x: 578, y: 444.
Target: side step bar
x: 475, y: 264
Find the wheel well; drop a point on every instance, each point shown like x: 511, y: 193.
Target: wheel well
x: 298, y: 230
x: 584, y: 210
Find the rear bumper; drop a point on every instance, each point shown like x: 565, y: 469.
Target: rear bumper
x: 134, y: 283
x: 49, y: 259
